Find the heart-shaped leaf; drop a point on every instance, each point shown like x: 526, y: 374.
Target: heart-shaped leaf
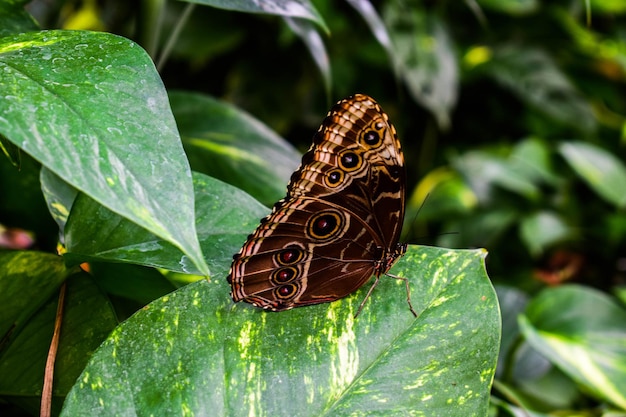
x: 195, y: 352
x: 92, y: 109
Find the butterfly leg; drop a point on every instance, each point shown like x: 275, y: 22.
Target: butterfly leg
x: 408, y: 291
x: 369, y: 292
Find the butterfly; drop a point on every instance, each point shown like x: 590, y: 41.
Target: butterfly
x: 340, y: 222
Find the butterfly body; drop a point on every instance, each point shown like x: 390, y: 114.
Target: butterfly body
x: 341, y: 219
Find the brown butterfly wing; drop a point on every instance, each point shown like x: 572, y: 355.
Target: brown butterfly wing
x: 340, y: 221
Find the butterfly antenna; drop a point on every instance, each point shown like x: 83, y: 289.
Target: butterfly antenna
x: 418, y: 212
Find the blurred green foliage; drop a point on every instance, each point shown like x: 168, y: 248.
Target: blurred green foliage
x: 512, y: 116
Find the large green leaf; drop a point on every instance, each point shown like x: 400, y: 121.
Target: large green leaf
x: 225, y: 215
x: 226, y: 143
x: 92, y: 109
x: 600, y: 169
x: 195, y: 353
x: 583, y: 332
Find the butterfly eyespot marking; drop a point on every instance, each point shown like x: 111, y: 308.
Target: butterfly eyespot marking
x: 350, y: 161
x: 334, y: 178
x: 395, y: 171
x: 324, y: 225
x: 371, y: 138
x: 283, y: 275
x: 286, y: 291
x: 289, y: 256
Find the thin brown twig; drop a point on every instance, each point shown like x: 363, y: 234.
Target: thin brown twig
x: 46, y: 395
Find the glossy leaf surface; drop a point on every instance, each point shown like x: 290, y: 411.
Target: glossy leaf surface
x: 195, y: 352
x: 92, y: 109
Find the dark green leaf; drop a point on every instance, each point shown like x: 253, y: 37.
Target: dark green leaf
x: 531, y: 158
x: 225, y: 216
x: 134, y: 282
x: 512, y: 302
x: 87, y: 319
x: 479, y: 229
x: 92, y: 109
x: 227, y: 143
x: 37, y: 274
x: 14, y: 19
x: 21, y: 202
x: 195, y: 352
x: 583, y: 332
x: 59, y: 196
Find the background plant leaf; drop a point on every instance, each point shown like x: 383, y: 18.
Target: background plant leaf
x: 598, y: 168
x: 303, y: 9
x: 424, y: 55
x: 227, y: 143
x: 542, y: 230
x: 311, y: 38
x: 588, y: 343
x: 535, y: 78
x: 59, y: 196
x: 14, y: 19
x: 200, y: 353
